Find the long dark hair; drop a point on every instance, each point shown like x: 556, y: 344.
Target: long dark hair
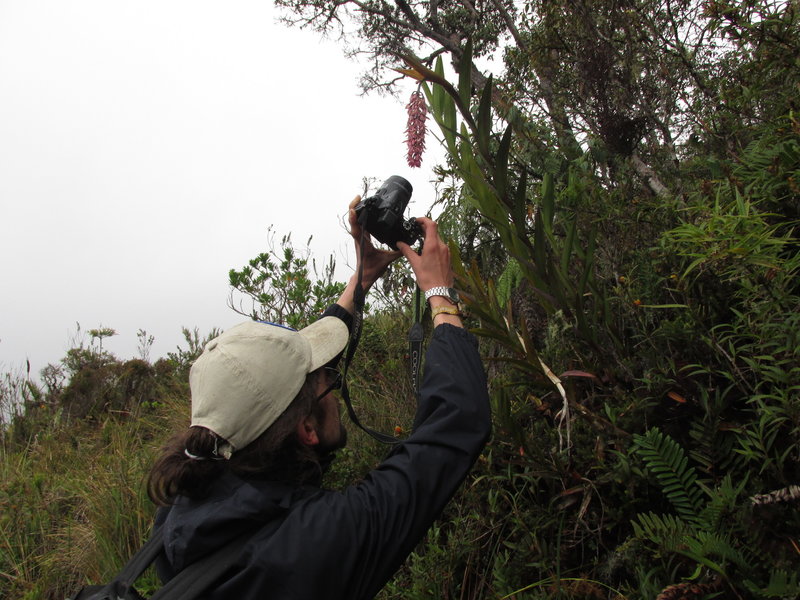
x: 276, y: 455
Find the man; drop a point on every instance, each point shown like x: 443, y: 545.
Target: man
x: 265, y: 423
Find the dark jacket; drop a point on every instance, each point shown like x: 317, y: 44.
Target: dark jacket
x: 314, y: 543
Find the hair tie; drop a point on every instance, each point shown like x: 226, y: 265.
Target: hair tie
x: 217, y: 453
x: 193, y: 456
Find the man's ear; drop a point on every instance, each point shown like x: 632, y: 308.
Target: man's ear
x: 307, y: 431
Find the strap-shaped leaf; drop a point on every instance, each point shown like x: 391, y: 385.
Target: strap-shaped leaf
x: 447, y: 105
x: 539, y: 245
x: 465, y: 74
x: 484, y: 195
x: 436, y: 99
x: 588, y: 264
x: 566, y: 251
x: 438, y: 91
x: 484, y: 125
x: 501, y: 164
x: 518, y: 210
x: 543, y: 225
x: 548, y: 205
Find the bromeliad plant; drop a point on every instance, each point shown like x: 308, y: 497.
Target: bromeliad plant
x: 499, y: 190
x: 549, y: 251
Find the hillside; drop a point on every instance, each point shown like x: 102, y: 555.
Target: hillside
x: 622, y: 198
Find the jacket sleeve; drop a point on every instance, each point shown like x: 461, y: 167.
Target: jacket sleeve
x: 335, y: 310
x: 386, y: 515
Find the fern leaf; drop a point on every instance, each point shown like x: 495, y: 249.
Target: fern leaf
x: 666, y: 531
x: 666, y: 460
x: 781, y: 585
x: 508, y: 281
x: 722, y: 500
x: 708, y: 544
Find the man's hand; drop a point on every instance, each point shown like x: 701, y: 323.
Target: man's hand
x: 375, y: 261
x: 432, y: 268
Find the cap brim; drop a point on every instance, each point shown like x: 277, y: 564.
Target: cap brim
x: 327, y: 338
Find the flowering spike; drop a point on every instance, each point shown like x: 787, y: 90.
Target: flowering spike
x: 415, y: 130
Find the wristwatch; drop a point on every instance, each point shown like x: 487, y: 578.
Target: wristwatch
x: 447, y: 292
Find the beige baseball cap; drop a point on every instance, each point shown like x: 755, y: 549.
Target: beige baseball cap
x: 246, y: 377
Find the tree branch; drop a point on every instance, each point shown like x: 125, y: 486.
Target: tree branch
x: 510, y: 24
x: 649, y: 176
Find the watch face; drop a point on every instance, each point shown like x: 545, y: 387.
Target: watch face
x: 453, y: 295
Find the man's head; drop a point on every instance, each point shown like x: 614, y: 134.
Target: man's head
x: 322, y: 429
x: 247, y: 377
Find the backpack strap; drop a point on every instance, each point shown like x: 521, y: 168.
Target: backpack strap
x: 186, y: 585
x: 199, y: 575
x: 122, y: 585
x: 144, y: 557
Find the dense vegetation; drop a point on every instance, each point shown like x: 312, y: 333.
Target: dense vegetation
x: 622, y: 196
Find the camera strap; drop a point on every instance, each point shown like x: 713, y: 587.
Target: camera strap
x: 355, y: 335
x: 415, y: 337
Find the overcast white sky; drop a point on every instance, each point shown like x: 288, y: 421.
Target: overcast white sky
x: 146, y: 146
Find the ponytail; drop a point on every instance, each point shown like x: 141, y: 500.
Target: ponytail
x: 176, y: 473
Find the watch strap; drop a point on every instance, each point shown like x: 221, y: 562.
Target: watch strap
x: 440, y: 290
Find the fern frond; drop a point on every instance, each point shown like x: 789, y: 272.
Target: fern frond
x: 722, y: 500
x: 708, y: 544
x: 781, y: 585
x: 668, y: 462
x: 712, y: 441
x: 666, y: 531
x: 508, y: 281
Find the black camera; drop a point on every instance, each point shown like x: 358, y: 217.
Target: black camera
x: 384, y: 213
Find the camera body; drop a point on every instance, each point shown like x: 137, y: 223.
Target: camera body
x: 384, y: 213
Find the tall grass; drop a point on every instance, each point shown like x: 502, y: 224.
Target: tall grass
x: 73, y: 505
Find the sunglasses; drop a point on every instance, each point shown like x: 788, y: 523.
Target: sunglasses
x: 335, y: 376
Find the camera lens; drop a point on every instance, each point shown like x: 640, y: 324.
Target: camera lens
x: 397, y: 185
x: 384, y: 211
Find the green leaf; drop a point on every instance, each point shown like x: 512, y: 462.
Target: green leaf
x: 465, y: 74
x: 508, y: 281
x: 548, y: 205
x: 446, y: 103
x: 484, y: 124
x: 518, y: 210
x: 501, y: 164
x: 588, y: 267
x: 664, y: 306
x: 667, y: 461
x: 539, y: 244
x: 566, y: 251
x: 438, y: 91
